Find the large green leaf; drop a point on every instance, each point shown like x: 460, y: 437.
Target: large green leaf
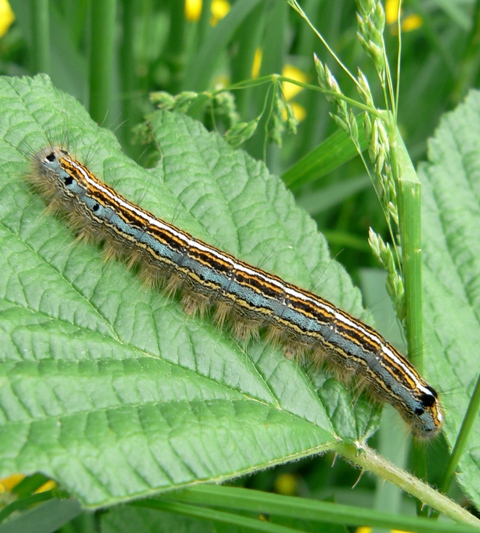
x: 106, y: 385
x: 451, y: 243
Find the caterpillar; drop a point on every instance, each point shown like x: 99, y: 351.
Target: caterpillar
x: 248, y: 297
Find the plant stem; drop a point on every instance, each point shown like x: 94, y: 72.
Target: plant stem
x: 102, y: 15
x: 367, y: 459
x: 460, y: 444
x: 40, y: 35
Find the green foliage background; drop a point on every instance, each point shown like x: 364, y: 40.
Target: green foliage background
x: 106, y: 386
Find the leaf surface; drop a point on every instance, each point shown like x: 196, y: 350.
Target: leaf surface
x: 451, y: 278
x: 105, y: 384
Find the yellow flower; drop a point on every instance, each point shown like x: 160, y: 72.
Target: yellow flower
x: 412, y: 22
x: 299, y: 112
x: 193, y: 8
x: 7, y: 483
x: 48, y: 485
x: 391, y: 11
x: 257, y: 63
x: 290, y: 90
x: 409, y: 23
x: 219, y: 9
x: 6, y: 17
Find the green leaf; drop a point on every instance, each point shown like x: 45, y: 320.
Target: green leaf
x: 43, y: 517
x: 124, y: 519
x: 331, y: 154
x: 105, y: 384
x: 451, y: 244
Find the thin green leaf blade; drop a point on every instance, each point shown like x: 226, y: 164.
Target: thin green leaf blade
x: 331, y: 154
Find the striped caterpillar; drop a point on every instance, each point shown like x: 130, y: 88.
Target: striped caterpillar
x: 245, y: 295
